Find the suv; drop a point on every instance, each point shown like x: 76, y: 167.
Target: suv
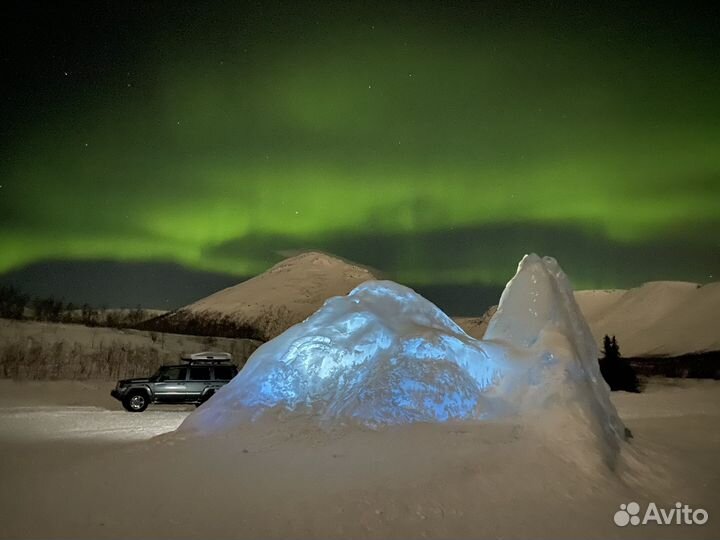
x: 193, y: 382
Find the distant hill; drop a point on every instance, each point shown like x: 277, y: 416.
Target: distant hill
x: 268, y: 304
x: 659, y: 318
x: 476, y: 326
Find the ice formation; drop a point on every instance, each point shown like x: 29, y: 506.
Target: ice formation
x: 540, y: 326
x: 382, y: 355
x: 385, y: 355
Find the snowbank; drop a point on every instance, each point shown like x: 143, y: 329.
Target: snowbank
x: 539, y: 324
x: 72, y: 472
x: 383, y: 355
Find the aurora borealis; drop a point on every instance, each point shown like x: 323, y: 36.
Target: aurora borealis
x: 438, y: 142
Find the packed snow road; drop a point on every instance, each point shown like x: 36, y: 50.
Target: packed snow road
x: 35, y: 412
x: 72, y: 461
x: 39, y: 424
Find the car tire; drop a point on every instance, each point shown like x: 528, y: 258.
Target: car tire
x: 136, y: 402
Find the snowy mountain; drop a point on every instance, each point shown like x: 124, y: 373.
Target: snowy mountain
x: 384, y: 355
x: 659, y: 318
x: 270, y: 303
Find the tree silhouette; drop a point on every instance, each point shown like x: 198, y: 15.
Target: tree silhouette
x: 89, y: 315
x: 611, y: 349
x: 617, y: 371
x: 12, y: 303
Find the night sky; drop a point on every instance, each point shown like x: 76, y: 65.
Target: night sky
x: 153, y: 152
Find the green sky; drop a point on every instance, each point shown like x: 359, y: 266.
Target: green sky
x: 223, y: 138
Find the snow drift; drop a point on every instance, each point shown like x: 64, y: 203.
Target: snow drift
x: 539, y: 325
x: 383, y: 355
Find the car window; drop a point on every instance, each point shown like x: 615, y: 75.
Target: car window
x: 175, y: 374
x: 224, y: 373
x: 199, y: 373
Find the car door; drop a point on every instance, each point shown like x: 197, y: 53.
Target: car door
x: 171, y: 386
x: 223, y: 374
x: 197, y: 381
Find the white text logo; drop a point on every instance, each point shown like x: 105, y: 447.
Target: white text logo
x: 680, y: 514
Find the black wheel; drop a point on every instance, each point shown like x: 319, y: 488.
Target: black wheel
x: 136, y: 402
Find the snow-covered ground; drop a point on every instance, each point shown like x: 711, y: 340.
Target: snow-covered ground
x: 376, y: 417
x: 75, y: 466
x: 73, y: 411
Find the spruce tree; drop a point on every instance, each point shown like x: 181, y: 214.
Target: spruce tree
x: 617, y: 371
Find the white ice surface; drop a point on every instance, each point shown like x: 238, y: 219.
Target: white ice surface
x: 384, y: 355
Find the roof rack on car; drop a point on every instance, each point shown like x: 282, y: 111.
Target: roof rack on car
x: 207, y: 358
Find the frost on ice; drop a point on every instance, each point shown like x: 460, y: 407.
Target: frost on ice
x: 385, y: 355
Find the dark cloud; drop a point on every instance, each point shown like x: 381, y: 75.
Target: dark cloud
x: 169, y: 286
x: 448, y: 258
x: 118, y: 284
x: 588, y: 256
x: 454, y: 299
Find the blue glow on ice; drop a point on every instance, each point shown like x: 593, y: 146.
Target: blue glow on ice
x: 381, y: 355
x: 385, y: 355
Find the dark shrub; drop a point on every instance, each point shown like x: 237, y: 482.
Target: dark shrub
x: 616, y: 371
